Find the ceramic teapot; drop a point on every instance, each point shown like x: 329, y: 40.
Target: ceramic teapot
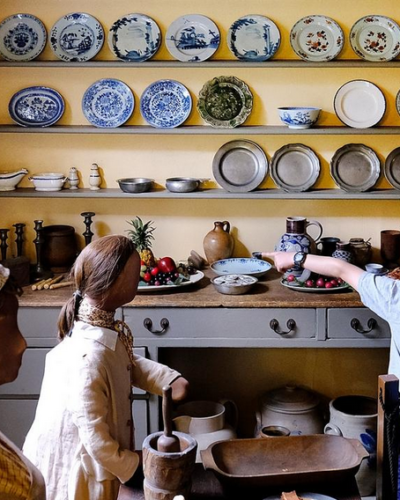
x: 296, y: 238
x: 207, y: 422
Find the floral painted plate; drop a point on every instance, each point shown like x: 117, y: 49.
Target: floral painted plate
x: 134, y: 37
x: 192, y: 38
x: 193, y: 278
x: 317, y: 38
x: 22, y: 37
x: 375, y: 38
x: 36, y: 107
x: 225, y: 102
x: 165, y: 104
x: 248, y: 266
x: 76, y: 37
x: 253, y: 38
x: 108, y: 103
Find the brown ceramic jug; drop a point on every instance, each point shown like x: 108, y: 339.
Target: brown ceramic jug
x: 218, y: 243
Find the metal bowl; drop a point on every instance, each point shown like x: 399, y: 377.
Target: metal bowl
x: 135, y: 184
x: 182, y: 184
x: 234, y: 284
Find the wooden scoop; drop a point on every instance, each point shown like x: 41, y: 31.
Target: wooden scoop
x: 167, y: 442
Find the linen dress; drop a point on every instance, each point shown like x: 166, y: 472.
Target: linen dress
x: 81, y: 436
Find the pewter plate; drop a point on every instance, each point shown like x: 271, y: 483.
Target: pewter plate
x: 295, y: 168
x: 392, y: 168
x: 240, y: 166
x: 355, y: 168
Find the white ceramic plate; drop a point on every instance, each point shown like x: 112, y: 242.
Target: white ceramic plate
x: 305, y: 496
x: 193, y: 278
x: 359, y: 104
x: 192, y: 38
x: 250, y: 267
x: 76, y: 37
x: 375, y: 38
x: 302, y: 288
x: 317, y: 38
x: 22, y: 37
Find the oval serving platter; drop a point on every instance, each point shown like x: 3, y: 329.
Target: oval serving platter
x: 36, y: 107
x: 241, y: 265
x: 240, y: 166
x: 22, y: 37
x: 193, y: 278
x: 392, y: 168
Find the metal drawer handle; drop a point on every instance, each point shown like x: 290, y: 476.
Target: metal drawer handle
x: 274, y: 324
x: 148, y: 324
x: 356, y: 325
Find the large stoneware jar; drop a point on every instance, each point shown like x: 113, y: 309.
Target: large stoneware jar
x: 218, y: 243
x: 296, y: 238
x: 59, y: 247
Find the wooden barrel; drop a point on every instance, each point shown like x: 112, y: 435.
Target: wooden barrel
x: 168, y: 474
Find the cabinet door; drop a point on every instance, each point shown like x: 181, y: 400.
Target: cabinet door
x: 38, y: 322
x: 16, y: 418
x: 140, y: 417
x: 355, y: 323
x: 30, y: 375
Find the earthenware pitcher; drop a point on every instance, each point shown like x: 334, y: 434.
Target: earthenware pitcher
x: 296, y: 238
x: 218, y: 243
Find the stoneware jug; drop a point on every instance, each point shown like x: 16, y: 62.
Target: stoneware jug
x: 218, y: 243
x: 296, y: 238
x: 356, y: 417
x: 207, y: 422
x: 343, y: 251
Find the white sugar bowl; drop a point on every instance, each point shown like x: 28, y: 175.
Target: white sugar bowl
x: 9, y: 180
x: 48, y: 181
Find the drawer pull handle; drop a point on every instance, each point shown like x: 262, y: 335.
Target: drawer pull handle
x: 274, y: 324
x: 148, y: 324
x: 356, y: 325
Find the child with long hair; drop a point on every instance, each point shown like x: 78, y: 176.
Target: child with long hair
x: 82, y: 436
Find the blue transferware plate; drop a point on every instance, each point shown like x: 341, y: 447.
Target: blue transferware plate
x: 253, y: 38
x: 192, y: 38
x: 250, y: 267
x: 22, y: 37
x: 134, y: 37
x: 108, y: 103
x: 76, y: 37
x: 36, y: 107
x: 165, y: 104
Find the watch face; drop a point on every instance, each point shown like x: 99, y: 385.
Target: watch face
x: 299, y: 258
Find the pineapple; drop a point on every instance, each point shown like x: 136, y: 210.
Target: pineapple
x: 142, y: 236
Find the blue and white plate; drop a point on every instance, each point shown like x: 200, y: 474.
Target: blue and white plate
x: 134, y: 37
x: 36, y: 107
x: 165, y: 104
x: 250, y: 267
x: 22, y: 37
x: 192, y: 38
x: 253, y: 38
x: 108, y: 103
x: 76, y: 37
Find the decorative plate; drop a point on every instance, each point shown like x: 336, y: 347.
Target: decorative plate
x: 240, y: 166
x: 36, y: 107
x: 193, y: 278
x: 108, y: 103
x: 317, y: 38
x: 165, y: 104
x: 250, y: 267
x: 375, y: 38
x: 225, y: 102
x: 22, y: 37
x: 301, y: 287
x: 253, y: 38
x: 355, y: 168
x: 76, y: 37
x: 192, y: 38
x: 359, y: 104
x: 398, y: 102
x: 134, y: 37
x: 392, y: 168
x: 295, y: 168
x: 305, y: 496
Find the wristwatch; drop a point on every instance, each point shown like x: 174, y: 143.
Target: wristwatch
x: 299, y: 259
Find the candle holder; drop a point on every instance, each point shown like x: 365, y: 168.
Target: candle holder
x: 3, y: 243
x: 19, y: 229
x: 39, y: 272
x: 88, y: 222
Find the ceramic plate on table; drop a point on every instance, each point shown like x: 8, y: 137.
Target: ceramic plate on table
x: 108, y: 103
x: 250, y: 267
x: 355, y: 168
x: 304, y: 496
x: 375, y: 38
x: 165, y: 104
x: 240, y: 166
x: 36, y: 107
x: 359, y: 104
x: 392, y: 168
x: 192, y: 38
x: 295, y: 168
x: 193, y: 278
x: 317, y: 38
x: 76, y: 37
x: 253, y: 38
x: 225, y: 102
x: 301, y: 287
x: 22, y: 37
x: 134, y: 37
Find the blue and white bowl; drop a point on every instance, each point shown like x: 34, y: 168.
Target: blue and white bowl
x: 249, y: 267
x: 299, y: 117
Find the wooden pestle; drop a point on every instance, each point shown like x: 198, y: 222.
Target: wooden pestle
x: 53, y: 281
x: 61, y: 285
x: 45, y: 282
x: 167, y: 442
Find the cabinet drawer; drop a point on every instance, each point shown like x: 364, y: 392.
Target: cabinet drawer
x: 38, y: 322
x: 222, y: 323
x: 30, y: 375
x: 344, y: 323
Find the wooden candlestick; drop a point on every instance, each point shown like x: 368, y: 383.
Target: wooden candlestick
x: 3, y: 243
x: 88, y: 222
x: 39, y: 272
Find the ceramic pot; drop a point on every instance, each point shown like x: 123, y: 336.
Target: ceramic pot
x: 273, y: 431
x: 218, y: 243
x: 59, y: 247
x: 327, y: 245
x: 356, y: 417
x: 343, y: 251
x: 390, y: 247
x: 296, y: 238
x: 361, y: 251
